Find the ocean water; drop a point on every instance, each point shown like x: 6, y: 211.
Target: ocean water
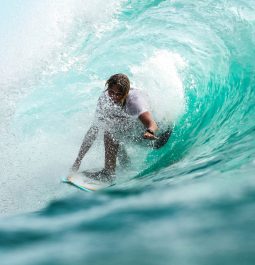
x: 192, y: 201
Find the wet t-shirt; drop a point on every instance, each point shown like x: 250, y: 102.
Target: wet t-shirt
x: 119, y: 119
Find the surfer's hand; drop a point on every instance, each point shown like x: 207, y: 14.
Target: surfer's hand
x: 76, y: 165
x: 150, y: 136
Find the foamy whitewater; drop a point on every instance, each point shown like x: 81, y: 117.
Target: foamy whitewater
x: 192, y: 201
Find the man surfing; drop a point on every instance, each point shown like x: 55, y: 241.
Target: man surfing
x: 122, y: 113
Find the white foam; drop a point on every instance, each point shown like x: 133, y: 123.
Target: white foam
x: 160, y: 77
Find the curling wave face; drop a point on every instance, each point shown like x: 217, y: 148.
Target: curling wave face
x: 196, y: 62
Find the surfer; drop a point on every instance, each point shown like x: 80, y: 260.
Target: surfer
x: 121, y: 112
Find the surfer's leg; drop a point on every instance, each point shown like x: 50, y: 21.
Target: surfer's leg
x: 123, y: 157
x: 111, y: 149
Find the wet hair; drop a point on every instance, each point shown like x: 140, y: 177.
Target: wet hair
x: 119, y: 80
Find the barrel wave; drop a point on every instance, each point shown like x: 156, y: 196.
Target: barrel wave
x: 190, y: 202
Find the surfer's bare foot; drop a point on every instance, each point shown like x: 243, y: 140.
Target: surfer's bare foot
x: 103, y: 175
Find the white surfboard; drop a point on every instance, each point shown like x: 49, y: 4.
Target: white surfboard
x: 82, y: 182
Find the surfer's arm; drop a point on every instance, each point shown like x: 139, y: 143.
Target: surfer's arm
x: 150, y: 125
x: 86, y: 144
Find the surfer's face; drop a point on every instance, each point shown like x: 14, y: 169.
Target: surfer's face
x: 116, y: 94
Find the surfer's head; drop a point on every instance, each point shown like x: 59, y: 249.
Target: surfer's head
x: 118, y: 86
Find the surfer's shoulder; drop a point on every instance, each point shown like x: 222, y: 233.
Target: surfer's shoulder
x: 136, y: 102
x: 134, y: 93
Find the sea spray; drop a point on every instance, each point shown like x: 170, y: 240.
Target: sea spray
x: 160, y: 77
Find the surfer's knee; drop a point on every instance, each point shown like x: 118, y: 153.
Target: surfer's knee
x: 110, y: 140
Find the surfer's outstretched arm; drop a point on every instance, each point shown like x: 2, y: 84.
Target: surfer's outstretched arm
x: 86, y: 144
x: 150, y: 125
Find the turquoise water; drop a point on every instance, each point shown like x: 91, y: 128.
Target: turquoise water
x: 191, y: 202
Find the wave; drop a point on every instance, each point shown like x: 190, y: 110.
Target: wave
x: 195, y: 60
x: 202, y: 85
